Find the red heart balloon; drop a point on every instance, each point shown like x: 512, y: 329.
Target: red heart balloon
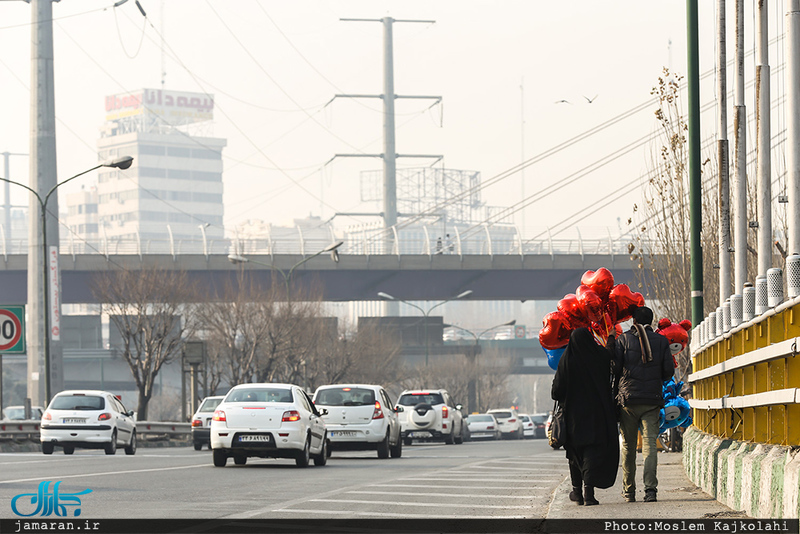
x: 555, y: 331
x: 571, y: 308
x: 590, y: 303
x: 622, y: 302
x: 600, y: 281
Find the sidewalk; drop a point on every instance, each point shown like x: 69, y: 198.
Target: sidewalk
x: 678, y: 498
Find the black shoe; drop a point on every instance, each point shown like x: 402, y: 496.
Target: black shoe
x: 629, y: 497
x: 588, y: 496
x: 575, y: 495
x: 650, y: 496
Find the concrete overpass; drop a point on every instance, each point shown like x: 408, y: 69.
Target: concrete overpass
x: 355, y: 277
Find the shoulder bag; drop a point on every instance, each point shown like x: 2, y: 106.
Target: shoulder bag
x: 558, y: 427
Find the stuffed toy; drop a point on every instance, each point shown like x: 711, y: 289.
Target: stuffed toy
x: 676, y: 333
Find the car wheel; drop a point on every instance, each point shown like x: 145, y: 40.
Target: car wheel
x: 131, y: 448
x: 304, y: 455
x: 111, y: 446
x: 449, y: 439
x: 239, y: 459
x: 460, y: 438
x: 397, y: 450
x: 383, y: 447
x: 47, y: 448
x: 407, y: 442
x: 322, y: 458
x: 220, y: 458
x: 198, y: 446
x: 69, y: 449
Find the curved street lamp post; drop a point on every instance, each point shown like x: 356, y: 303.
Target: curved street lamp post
x: 287, y: 275
x: 425, y: 314
x: 123, y: 162
x: 472, y: 390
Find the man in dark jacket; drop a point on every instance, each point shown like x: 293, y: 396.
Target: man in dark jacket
x: 642, y: 363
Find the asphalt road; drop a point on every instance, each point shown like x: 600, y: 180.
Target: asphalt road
x: 510, y: 479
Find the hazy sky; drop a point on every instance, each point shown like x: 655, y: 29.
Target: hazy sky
x: 272, y: 66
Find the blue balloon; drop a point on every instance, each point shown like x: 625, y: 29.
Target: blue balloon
x: 553, y: 356
x: 676, y: 411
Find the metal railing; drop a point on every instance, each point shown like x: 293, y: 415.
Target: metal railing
x: 371, y: 243
x: 145, y: 430
x: 746, y: 379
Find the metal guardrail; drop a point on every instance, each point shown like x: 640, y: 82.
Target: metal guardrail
x: 146, y: 430
x: 746, y: 383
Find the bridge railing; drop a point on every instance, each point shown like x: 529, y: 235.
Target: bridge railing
x: 746, y: 379
x: 146, y: 430
x: 430, y: 244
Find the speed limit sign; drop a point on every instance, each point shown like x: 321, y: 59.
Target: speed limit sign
x: 12, y: 329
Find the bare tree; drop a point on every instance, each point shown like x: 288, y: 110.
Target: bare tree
x: 660, y: 228
x: 146, y: 307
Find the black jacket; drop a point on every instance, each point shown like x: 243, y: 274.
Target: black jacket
x: 640, y: 382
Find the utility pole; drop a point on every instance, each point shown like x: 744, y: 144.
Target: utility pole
x: 740, y: 153
x: 695, y: 184
x: 763, y: 128
x: 43, y: 178
x: 724, y: 191
x: 390, y: 154
x: 793, y: 127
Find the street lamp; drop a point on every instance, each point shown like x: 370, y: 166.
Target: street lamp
x: 287, y: 275
x: 425, y: 314
x: 123, y: 162
x: 472, y: 390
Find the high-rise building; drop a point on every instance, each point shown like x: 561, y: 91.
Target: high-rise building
x: 175, y: 183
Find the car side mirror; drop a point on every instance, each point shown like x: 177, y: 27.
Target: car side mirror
x: 459, y: 406
x: 129, y: 413
x: 323, y: 411
x: 398, y: 409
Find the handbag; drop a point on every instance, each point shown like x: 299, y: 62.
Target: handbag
x: 558, y: 427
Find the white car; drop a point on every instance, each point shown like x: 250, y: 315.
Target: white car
x: 201, y: 422
x: 360, y: 417
x: 510, y: 423
x: 88, y: 419
x: 430, y: 414
x: 483, y: 426
x: 17, y: 413
x: 528, y: 426
x: 268, y: 421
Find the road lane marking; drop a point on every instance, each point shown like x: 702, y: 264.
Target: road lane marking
x: 479, y: 488
x: 51, y: 477
x: 389, y: 514
x: 426, y: 494
x: 430, y: 504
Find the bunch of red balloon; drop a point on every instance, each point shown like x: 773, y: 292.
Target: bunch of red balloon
x: 597, y: 304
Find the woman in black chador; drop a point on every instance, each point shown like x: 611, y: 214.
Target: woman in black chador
x: 583, y: 387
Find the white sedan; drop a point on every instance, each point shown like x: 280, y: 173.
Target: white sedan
x: 268, y: 421
x: 87, y: 419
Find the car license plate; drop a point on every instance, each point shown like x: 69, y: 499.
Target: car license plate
x: 73, y: 421
x: 420, y: 434
x: 262, y: 439
x: 343, y: 433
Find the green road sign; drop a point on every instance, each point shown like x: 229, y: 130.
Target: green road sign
x: 12, y: 329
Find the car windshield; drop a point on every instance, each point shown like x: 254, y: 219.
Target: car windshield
x: 15, y: 413
x: 345, y: 396
x: 412, y: 399
x: 209, y: 405
x: 480, y: 419
x: 538, y: 418
x: 502, y: 415
x: 525, y: 419
x: 78, y: 402
x: 260, y: 395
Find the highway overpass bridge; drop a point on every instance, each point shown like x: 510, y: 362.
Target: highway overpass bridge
x: 354, y: 277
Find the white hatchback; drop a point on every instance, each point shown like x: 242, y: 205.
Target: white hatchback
x: 360, y: 417
x: 268, y: 421
x: 88, y: 419
x: 510, y: 422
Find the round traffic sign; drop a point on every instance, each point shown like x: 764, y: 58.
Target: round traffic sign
x: 10, y: 330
